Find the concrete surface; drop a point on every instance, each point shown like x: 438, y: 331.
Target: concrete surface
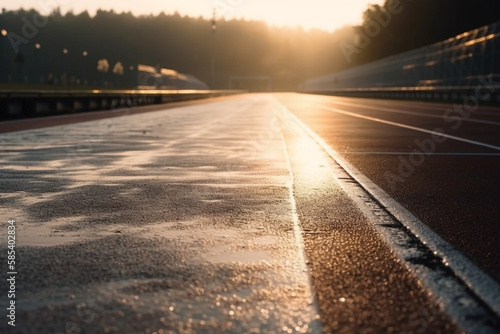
x: 162, y: 222
x: 209, y: 218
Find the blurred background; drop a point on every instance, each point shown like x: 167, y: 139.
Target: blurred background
x: 225, y: 44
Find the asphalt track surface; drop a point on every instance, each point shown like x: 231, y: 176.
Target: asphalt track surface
x: 223, y: 216
x: 454, y: 187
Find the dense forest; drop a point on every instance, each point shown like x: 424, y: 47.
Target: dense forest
x: 66, y: 49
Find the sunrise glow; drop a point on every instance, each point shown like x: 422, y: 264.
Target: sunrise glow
x: 320, y: 14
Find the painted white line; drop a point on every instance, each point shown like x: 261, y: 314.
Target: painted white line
x: 399, y: 111
x: 414, y: 128
x: 483, y: 110
x: 481, y: 285
x: 433, y: 154
x: 495, y: 111
x: 315, y: 326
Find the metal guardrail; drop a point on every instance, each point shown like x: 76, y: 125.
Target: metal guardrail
x: 488, y: 94
x: 452, y: 67
x: 29, y: 102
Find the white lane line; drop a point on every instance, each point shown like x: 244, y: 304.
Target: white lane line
x: 483, y: 286
x: 483, y: 110
x: 429, y: 105
x: 433, y: 154
x: 315, y: 326
x: 398, y: 111
x: 414, y: 128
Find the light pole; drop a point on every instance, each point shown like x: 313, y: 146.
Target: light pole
x: 4, y: 60
x: 214, y: 28
x: 64, y: 75
x: 38, y: 63
x: 84, y: 77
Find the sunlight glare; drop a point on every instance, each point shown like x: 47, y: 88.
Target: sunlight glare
x: 321, y: 14
x: 312, y: 162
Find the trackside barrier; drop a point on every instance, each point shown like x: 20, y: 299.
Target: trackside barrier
x: 449, y: 70
x: 31, y: 103
x: 485, y: 94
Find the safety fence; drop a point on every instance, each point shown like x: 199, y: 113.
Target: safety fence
x: 444, y: 70
x: 32, y: 103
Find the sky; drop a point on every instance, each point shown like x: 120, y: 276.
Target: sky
x: 321, y: 14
